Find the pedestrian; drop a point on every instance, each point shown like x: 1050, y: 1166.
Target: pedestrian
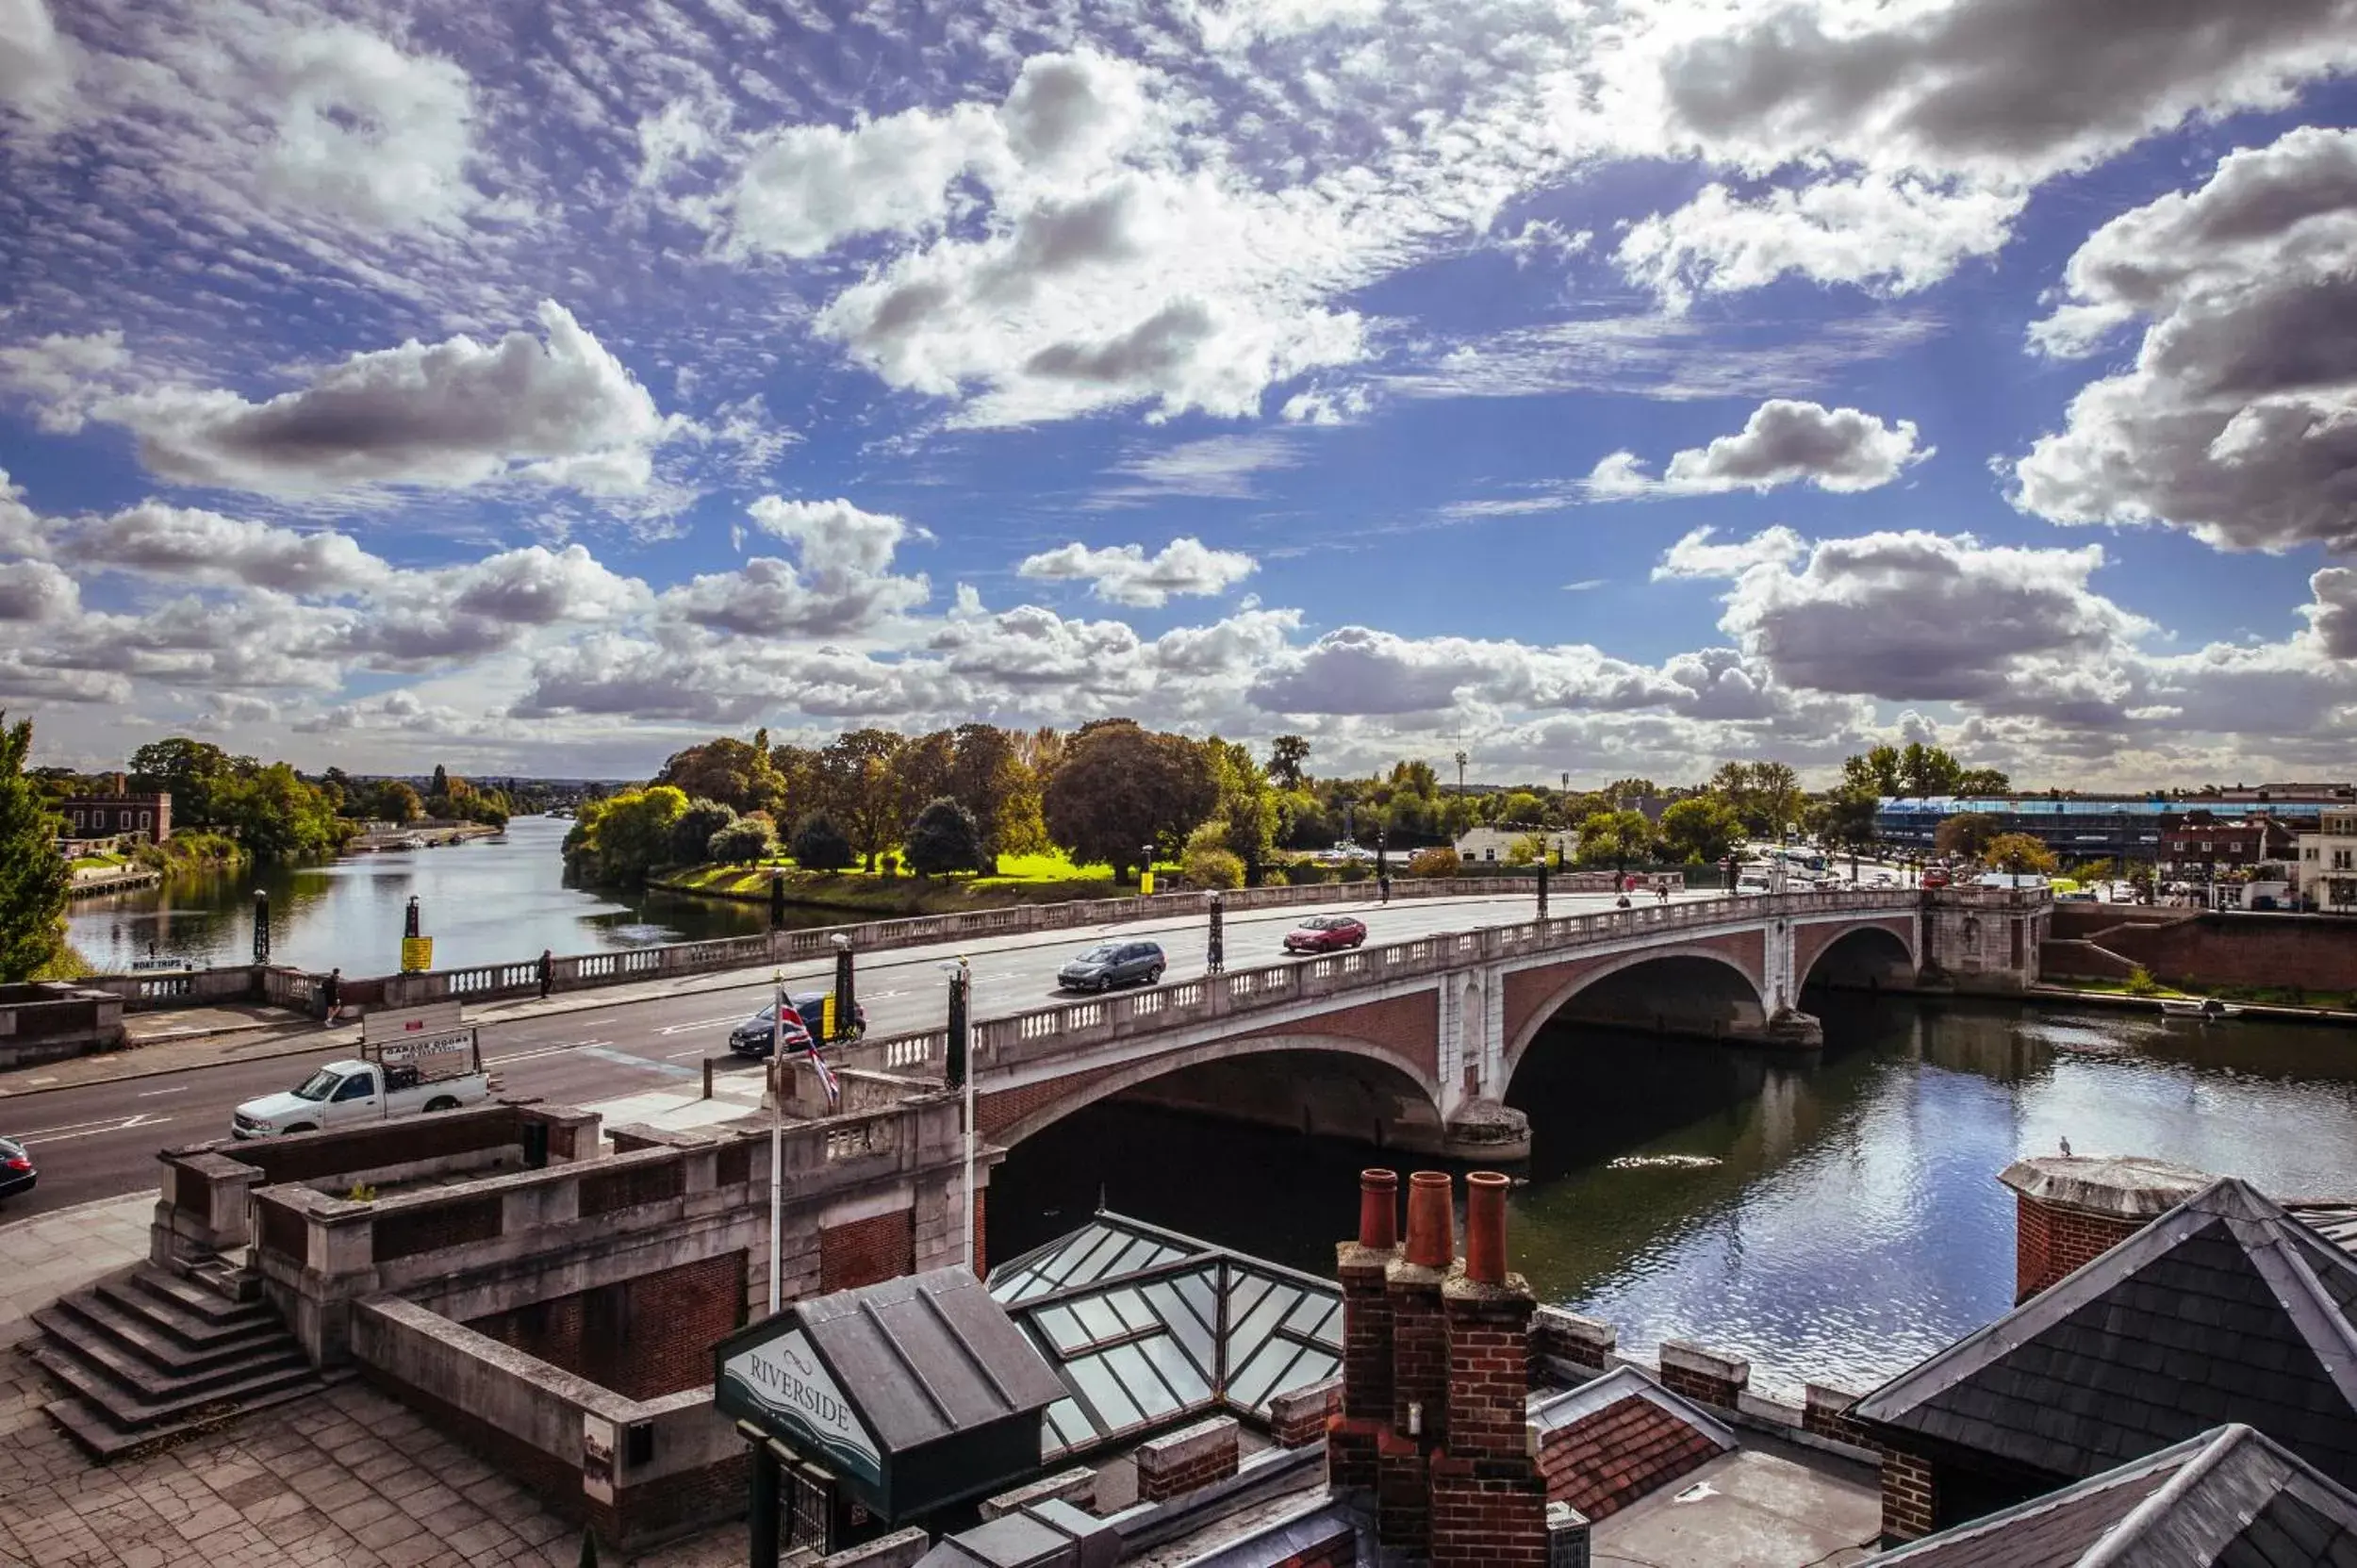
x: 1661, y: 891
x: 548, y: 970
x: 331, y: 998
x: 1383, y: 888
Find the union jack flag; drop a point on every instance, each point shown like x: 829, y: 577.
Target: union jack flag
x: 807, y: 1042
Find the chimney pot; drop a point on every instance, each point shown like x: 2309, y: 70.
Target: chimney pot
x: 1431, y: 1221
x: 1378, y: 1210
x: 1485, y: 1226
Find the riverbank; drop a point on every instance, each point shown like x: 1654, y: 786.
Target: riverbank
x: 194, y: 851
x: 860, y: 893
x: 2123, y: 1001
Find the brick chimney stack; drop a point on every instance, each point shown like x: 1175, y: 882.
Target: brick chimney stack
x: 1489, y: 1506
x: 1403, y: 1512
x: 1366, y: 1411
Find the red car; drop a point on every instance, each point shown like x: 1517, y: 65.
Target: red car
x: 1326, y: 933
x: 1935, y: 877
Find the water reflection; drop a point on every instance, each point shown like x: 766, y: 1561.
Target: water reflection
x: 493, y: 901
x: 1836, y: 1217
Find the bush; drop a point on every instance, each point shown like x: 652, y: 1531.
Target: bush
x: 819, y: 845
x: 1305, y: 873
x: 891, y: 864
x: 2140, y: 982
x: 692, y: 831
x: 1356, y: 870
x: 746, y: 841
x: 943, y: 839
x: 1209, y: 867
x: 1434, y: 863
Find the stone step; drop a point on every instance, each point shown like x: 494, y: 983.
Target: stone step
x: 157, y: 1345
x: 188, y: 1327
x: 193, y: 1297
x: 137, y: 1380
x: 228, y: 1280
x: 105, y: 1442
x: 118, y: 1407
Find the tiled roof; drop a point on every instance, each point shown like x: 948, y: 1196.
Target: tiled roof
x: 2229, y: 1498
x: 2223, y: 1310
x: 1610, y: 1441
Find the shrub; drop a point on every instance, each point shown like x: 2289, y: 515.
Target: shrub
x: 891, y: 864
x: 1212, y: 867
x: 692, y: 831
x: 2140, y: 982
x: 746, y: 841
x: 1304, y: 873
x: 819, y: 845
x: 943, y: 839
x: 1356, y: 870
x: 1434, y: 863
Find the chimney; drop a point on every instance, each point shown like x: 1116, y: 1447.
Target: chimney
x: 1488, y: 1499
x: 1419, y: 1368
x: 1366, y: 1411
x: 2072, y: 1209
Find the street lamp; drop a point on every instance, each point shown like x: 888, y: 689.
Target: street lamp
x: 959, y: 1071
x: 777, y: 1135
x: 261, y: 926
x: 845, y: 1001
x: 1217, y: 961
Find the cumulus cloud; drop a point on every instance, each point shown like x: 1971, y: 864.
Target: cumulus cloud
x: 559, y: 410
x: 193, y: 545
x: 35, y: 592
x: 366, y: 131
x: 1784, y: 442
x: 808, y: 187
x: 2238, y: 421
x: 37, y: 65
x: 1126, y: 574
x: 424, y: 619
x: 64, y: 372
x: 2333, y: 614
x: 1357, y: 670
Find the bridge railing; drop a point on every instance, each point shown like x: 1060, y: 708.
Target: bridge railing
x: 1040, y: 1032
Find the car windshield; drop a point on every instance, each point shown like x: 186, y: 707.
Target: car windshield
x: 1099, y: 955
x: 319, y: 1085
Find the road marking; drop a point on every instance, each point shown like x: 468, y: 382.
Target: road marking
x: 544, y: 1050
x: 697, y: 1050
x: 700, y: 1023
x: 85, y: 1129
x: 151, y: 1094
x: 624, y: 1059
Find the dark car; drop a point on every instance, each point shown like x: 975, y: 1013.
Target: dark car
x: 1112, y: 964
x: 1326, y: 933
x: 17, y: 1174
x: 758, y: 1033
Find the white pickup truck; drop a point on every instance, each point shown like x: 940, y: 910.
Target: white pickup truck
x: 410, y: 1064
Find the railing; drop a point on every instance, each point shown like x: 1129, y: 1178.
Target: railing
x: 1027, y: 1036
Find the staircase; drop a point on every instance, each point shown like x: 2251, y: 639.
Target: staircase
x: 150, y: 1356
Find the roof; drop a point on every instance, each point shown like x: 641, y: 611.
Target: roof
x: 2230, y: 1497
x: 2224, y: 1308
x: 926, y: 1355
x: 1610, y: 1442
x: 1148, y: 1328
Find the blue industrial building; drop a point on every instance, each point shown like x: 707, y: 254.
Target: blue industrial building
x: 2077, y: 828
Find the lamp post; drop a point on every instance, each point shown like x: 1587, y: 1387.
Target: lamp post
x: 1382, y: 867
x: 777, y: 1135
x: 261, y: 925
x: 409, y: 917
x: 845, y: 1000
x: 959, y: 1071
x: 1544, y: 849
x: 1217, y: 961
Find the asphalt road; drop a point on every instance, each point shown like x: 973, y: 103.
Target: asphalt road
x: 100, y: 1140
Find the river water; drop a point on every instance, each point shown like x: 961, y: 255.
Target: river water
x: 489, y: 900
x: 1836, y: 1220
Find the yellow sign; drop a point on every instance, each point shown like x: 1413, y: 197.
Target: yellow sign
x: 417, y: 954
x: 826, y: 1017
x: 1145, y: 884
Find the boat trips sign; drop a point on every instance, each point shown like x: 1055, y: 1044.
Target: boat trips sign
x: 781, y: 1384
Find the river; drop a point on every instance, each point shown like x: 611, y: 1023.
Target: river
x: 488, y: 900
x: 1834, y: 1219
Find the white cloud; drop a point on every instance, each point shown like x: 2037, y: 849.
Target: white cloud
x: 63, y: 373
x: 1784, y: 442
x: 192, y: 545
x: 366, y: 131
x: 37, y: 65
x: 1694, y: 555
x: 563, y: 411
x: 32, y: 592
x: 844, y: 583
x: 807, y: 187
x: 1221, y: 465
x: 1125, y: 574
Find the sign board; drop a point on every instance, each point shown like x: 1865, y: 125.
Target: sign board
x: 1145, y: 884
x: 781, y: 1382
x: 596, y: 1458
x: 433, y: 1055
x: 417, y: 954
x: 435, y: 1018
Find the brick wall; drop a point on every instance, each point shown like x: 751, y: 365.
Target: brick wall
x: 868, y: 1250
x: 1489, y: 1371
x: 981, y: 1233
x: 406, y: 1233
x: 1558, y: 1335
x: 1419, y: 1353
x: 1339, y: 1550
x: 643, y: 1337
x: 1300, y: 1418
x: 1186, y: 1459
x: 1404, y: 1028
x: 2315, y: 952
x: 1908, y: 1496
x: 997, y: 1111
x: 1366, y: 1386
x: 1485, y: 1521
x: 1529, y: 991
x: 1704, y: 1375
x: 1826, y: 1412
x: 2050, y: 1242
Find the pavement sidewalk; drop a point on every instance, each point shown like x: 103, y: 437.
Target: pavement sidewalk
x: 44, y: 1257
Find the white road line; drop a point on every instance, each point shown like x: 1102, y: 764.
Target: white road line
x: 677, y: 1055
x: 700, y: 1023
x: 544, y: 1050
x: 86, y: 1130
x: 151, y: 1094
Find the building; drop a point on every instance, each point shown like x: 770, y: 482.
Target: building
x: 1495, y: 846
x: 118, y: 813
x: 2202, y: 844
x: 2325, y: 869
x: 2078, y: 828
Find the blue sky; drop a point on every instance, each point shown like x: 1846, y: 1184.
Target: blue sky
x: 1600, y: 389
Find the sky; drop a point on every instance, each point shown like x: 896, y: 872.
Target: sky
x: 1599, y: 390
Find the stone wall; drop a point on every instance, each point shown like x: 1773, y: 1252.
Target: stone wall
x: 644, y: 1337
x: 46, y: 1022
x: 2315, y: 952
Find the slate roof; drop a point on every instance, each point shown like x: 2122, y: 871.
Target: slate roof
x: 1618, y: 1438
x: 926, y: 1355
x: 2229, y: 1498
x: 2224, y: 1308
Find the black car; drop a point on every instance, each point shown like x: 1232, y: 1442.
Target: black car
x: 758, y: 1033
x: 1112, y: 964
x: 17, y: 1174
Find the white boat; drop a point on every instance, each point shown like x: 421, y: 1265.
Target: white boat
x: 2187, y: 1007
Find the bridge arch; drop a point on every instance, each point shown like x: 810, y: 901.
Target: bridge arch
x: 1417, y: 1102
x: 1862, y: 957
x: 1713, y: 980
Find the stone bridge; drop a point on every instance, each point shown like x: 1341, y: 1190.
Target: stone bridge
x: 1413, y: 1044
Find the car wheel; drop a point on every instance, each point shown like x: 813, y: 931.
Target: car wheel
x: 441, y: 1102
x: 300, y: 1127
x: 1154, y: 975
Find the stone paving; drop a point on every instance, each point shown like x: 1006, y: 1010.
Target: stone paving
x: 42, y: 1259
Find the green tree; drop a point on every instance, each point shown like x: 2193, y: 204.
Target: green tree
x: 1701, y: 828
x: 441, y: 781
x: 1121, y: 788
x: 1877, y: 770
x: 277, y: 816
x: 1983, y: 782
x: 747, y: 841
x: 739, y: 776
x: 1631, y: 789
x: 1928, y: 770
x: 1614, y: 838
x: 622, y: 837
x: 2017, y: 853
x: 188, y: 770
x: 33, y: 875
x: 691, y: 834
x: 860, y: 792
x: 1287, y: 755
x: 392, y: 800
x: 1246, y: 805
x: 986, y: 777
x: 1966, y: 833
x: 945, y: 839
x: 1212, y: 866
x: 1845, y: 819
x: 820, y: 846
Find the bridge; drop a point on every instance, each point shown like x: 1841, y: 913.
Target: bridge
x: 1415, y: 1042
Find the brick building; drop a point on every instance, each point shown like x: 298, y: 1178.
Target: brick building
x: 2326, y: 867
x: 2203, y: 843
x: 118, y: 813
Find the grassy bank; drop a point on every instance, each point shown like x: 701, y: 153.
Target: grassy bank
x: 1021, y: 880
x: 192, y: 850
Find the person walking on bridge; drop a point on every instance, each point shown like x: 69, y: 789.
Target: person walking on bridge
x: 331, y: 998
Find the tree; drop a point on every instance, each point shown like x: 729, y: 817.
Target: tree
x: 920, y: 776
x: 986, y: 776
x: 691, y: 832
x: 1983, y: 782
x: 1927, y: 771
x: 1631, y: 789
x: 394, y: 801
x: 1966, y: 833
x: 738, y: 776
x: 1614, y: 838
x: 1286, y: 755
x: 622, y: 837
x: 943, y: 839
x: 819, y: 845
x: 2017, y: 853
x: 33, y: 875
x: 859, y: 792
x: 1766, y: 795
x: 1120, y: 788
x: 1701, y: 827
x: 747, y: 841
x: 1877, y: 770
x: 1845, y: 819
x: 1213, y: 866
x: 441, y: 781
x: 1246, y: 805
x: 1441, y: 861
x: 189, y: 771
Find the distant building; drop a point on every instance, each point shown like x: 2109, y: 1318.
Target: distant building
x: 118, y: 813
x: 1495, y: 846
x: 2204, y: 842
x: 2080, y: 827
x: 2326, y: 867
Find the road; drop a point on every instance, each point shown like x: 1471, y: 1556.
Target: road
x: 99, y: 1140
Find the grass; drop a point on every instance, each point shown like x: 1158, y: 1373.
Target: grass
x: 101, y: 862
x: 1021, y: 879
x: 2271, y: 995
x: 192, y: 850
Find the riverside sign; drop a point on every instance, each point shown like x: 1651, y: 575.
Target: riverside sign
x: 782, y: 1386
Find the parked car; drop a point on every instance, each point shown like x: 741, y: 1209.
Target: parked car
x: 757, y: 1034
x: 17, y: 1174
x: 1112, y: 964
x: 1935, y: 877
x: 1325, y: 933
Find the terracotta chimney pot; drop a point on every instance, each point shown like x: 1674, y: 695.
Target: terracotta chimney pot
x: 1485, y: 1226
x: 1431, y: 1221
x: 1378, y: 1210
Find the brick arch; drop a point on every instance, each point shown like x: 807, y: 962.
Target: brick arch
x: 1586, y: 972
x: 1006, y: 1116
x: 1812, y: 942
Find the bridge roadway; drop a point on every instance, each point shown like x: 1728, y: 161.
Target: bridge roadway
x: 99, y: 1140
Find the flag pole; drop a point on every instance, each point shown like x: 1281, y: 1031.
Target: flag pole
x: 777, y: 1137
